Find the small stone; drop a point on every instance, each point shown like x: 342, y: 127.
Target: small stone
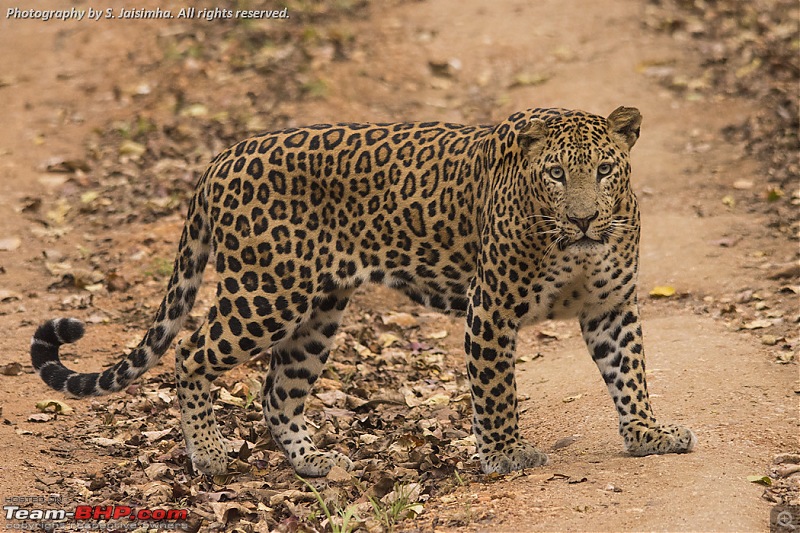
x: 49, y: 480
x: 53, y: 255
x: 11, y: 369
x: 566, y: 441
x: 744, y: 296
x: 769, y: 340
x: 445, y: 68
x: 10, y: 244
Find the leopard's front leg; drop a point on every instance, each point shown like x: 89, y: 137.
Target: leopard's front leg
x: 614, y: 340
x: 490, y: 340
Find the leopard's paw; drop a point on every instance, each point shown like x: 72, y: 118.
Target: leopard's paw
x: 660, y: 439
x: 513, y: 456
x: 317, y: 463
x: 210, y: 461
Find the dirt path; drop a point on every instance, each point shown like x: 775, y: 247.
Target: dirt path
x: 510, y: 55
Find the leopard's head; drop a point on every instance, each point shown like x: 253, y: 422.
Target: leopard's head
x: 579, y: 168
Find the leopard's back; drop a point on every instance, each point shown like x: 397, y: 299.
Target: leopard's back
x: 333, y: 206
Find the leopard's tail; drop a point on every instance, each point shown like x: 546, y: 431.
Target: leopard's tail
x: 187, y: 275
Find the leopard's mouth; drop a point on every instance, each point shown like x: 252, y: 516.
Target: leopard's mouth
x: 581, y: 243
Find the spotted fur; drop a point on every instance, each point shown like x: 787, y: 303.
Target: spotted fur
x: 506, y: 225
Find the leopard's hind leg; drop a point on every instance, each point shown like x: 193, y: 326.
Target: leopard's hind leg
x: 295, y: 365
x: 225, y: 340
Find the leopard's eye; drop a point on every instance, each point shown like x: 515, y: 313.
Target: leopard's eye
x: 557, y: 173
x: 603, y: 170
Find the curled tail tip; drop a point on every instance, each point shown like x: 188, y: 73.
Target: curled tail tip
x: 45, y: 359
x: 60, y: 331
x: 69, y: 329
x: 52, y: 334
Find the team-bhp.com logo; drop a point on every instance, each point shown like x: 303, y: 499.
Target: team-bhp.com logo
x: 155, y: 518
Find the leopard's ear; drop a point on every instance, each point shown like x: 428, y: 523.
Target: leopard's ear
x: 623, y: 126
x: 532, y: 133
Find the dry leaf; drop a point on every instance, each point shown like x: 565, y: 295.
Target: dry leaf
x: 363, y: 351
x: 410, y: 397
x: 291, y: 495
x: 194, y: 110
x: 403, y: 320
x: 76, y: 301
x: 131, y: 148
x: 757, y: 324
x: 53, y: 181
x: 550, y: 334
x: 105, y: 442
x: 9, y: 296
x: 153, y: 436
x: 338, y: 474
x: 157, y: 492
x: 226, y: 397
x: 156, y: 470
x: 67, y: 165
x: 332, y: 398
x: 387, y: 339
x: 89, y: 196
x: 115, y: 282
x: 527, y: 79
x: 437, y: 400
x: 662, y: 291
x: 228, y: 511
x: 368, y: 439
x: 787, y: 272
x: 58, y: 214
x: 53, y: 406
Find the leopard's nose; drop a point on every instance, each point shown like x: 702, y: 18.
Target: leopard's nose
x: 583, y: 222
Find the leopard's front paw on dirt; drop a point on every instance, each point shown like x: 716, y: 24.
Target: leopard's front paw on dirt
x: 661, y: 439
x: 210, y: 461
x: 318, y: 464
x: 512, y: 457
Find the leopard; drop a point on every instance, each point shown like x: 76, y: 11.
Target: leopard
x: 506, y: 225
